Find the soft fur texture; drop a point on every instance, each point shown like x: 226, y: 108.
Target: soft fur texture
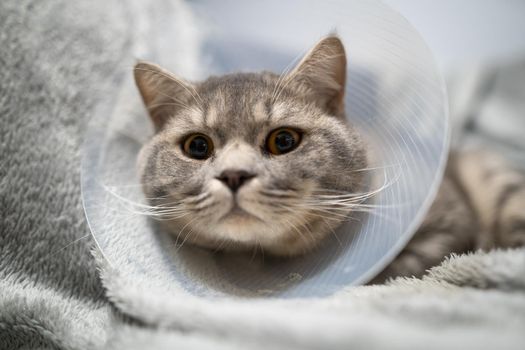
x: 478, y: 206
x: 291, y: 201
x: 50, y: 294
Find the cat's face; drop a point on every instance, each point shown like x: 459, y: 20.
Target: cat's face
x: 246, y: 160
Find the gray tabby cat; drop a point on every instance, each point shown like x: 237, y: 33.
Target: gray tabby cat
x: 247, y: 161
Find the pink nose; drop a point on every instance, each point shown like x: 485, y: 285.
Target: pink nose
x: 235, y: 178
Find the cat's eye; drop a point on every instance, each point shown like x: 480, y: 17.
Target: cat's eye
x: 282, y: 140
x: 198, y: 146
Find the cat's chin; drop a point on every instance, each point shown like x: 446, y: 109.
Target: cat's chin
x: 244, y: 232
x: 239, y: 226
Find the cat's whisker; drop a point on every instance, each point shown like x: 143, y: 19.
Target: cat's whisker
x: 177, y: 101
x: 356, y: 205
x: 293, y: 227
x: 276, y: 88
x: 378, y: 214
x: 156, y: 198
x: 183, y: 106
x: 122, y: 186
x: 255, y: 246
x: 197, y: 199
x: 372, y: 211
x: 333, y: 232
x: 164, y: 211
x: 182, y: 230
x: 146, y: 180
x: 332, y: 213
x: 161, y: 212
x: 219, y: 246
x: 205, y: 206
x: 158, y: 216
x: 351, y: 196
x: 279, y: 194
x: 284, y: 74
x: 66, y: 246
x: 376, y: 168
x: 185, y: 239
x: 346, y: 212
x: 128, y: 201
x: 347, y: 198
x: 386, y: 183
x: 312, y: 210
x: 286, y: 81
x: 155, y: 211
x: 197, y: 94
x: 168, y: 206
x: 308, y: 230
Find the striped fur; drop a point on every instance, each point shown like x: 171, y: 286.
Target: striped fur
x: 480, y: 205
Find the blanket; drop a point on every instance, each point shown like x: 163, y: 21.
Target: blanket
x: 64, y: 61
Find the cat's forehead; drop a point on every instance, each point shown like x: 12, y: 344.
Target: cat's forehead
x: 239, y: 104
x: 238, y: 83
x: 236, y: 93
x: 244, y: 106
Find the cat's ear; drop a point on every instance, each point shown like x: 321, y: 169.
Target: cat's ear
x: 162, y: 92
x: 323, y: 72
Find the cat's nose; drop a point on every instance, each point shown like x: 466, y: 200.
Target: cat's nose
x: 235, y: 178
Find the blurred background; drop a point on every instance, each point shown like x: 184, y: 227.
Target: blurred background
x: 480, y: 47
x: 461, y: 33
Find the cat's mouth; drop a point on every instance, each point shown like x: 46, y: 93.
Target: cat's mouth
x: 238, y: 213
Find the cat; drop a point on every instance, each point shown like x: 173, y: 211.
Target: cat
x: 245, y: 156
x: 250, y: 161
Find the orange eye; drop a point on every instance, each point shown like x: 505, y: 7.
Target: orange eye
x: 198, y: 146
x: 282, y: 140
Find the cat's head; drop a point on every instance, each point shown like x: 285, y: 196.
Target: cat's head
x: 252, y: 159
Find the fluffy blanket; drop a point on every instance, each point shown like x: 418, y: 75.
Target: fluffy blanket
x: 61, y: 61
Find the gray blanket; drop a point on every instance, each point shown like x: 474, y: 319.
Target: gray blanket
x: 64, y: 61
